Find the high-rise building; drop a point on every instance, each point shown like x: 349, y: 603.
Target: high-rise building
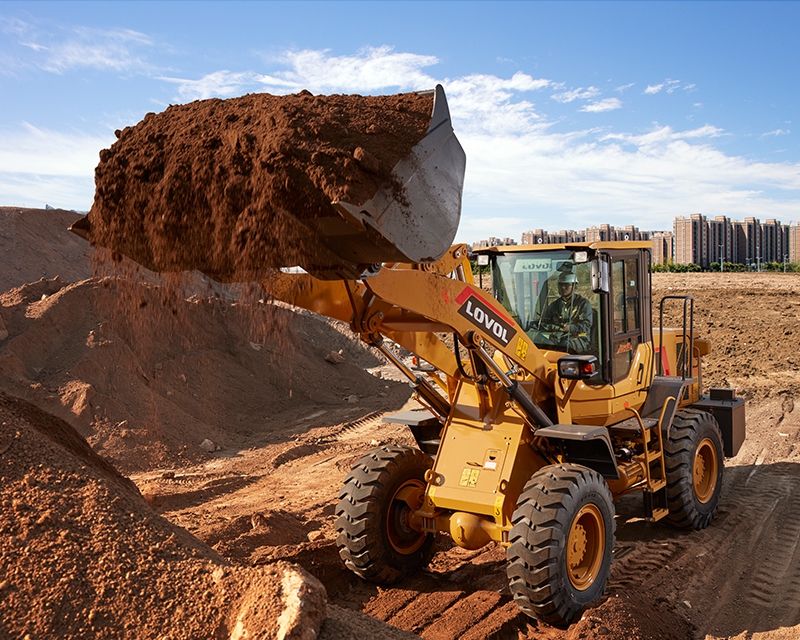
x: 691, y: 240
x: 776, y: 241
x: 663, y: 246
x: 751, y: 242
x: 794, y: 243
x: 720, y: 240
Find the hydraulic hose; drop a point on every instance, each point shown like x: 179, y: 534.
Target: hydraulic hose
x: 515, y: 391
x: 434, y: 400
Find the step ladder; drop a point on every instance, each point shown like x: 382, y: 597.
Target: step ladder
x: 652, y: 457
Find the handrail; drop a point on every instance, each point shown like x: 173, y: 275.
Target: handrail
x: 685, y: 368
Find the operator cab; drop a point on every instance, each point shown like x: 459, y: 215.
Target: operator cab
x: 584, y: 299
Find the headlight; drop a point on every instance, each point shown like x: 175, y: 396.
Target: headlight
x: 577, y: 367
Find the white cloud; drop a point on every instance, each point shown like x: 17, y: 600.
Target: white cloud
x: 116, y: 50
x: 664, y: 135
x: 624, y: 87
x: 607, y: 104
x: 13, y: 26
x: 40, y: 166
x: 29, y: 149
x: 371, y: 69
x: 668, y: 85
x: 62, y: 51
x: 576, y: 94
x: 485, y: 104
x: 777, y: 132
x: 38, y: 189
x: 220, y: 84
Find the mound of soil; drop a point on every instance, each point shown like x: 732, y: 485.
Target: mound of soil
x: 147, y: 375
x: 35, y: 243
x: 82, y: 555
x: 219, y: 185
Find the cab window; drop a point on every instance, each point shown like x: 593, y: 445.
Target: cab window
x: 626, y: 318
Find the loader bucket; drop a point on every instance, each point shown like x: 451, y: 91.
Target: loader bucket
x: 413, y: 218
x: 236, y: 187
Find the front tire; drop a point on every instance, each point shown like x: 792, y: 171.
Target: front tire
x: 561, y: 542
x: 375, y: 537
x: 693, y: 462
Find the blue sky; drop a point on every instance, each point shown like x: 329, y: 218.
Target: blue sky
x: 571, y: 113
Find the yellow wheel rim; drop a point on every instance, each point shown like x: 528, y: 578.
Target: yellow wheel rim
x: 585, y: 547
x: 704, y: 473
x: 407, y: 499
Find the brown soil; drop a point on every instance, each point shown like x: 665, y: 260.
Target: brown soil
x: 84, y: 556
x: 219, y: 185
x: 269, y: 494
x: 33, y: 245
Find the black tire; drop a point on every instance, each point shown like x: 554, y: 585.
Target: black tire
x: 562, y: 541
x: 693, y: 460
x: 374, y: 537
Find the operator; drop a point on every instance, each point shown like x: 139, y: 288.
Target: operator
x: 569, y: 317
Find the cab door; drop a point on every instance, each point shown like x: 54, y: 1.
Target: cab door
x: 630, y: 311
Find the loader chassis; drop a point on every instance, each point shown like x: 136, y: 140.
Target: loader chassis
x: 535, y: 421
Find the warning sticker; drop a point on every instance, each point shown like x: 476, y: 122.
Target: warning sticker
x: 522, y: 349
x: 469, y: 477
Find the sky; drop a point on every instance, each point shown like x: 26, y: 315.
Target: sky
x: 571, y: 113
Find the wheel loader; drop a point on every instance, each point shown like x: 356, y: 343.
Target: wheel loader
x: 540, y: 405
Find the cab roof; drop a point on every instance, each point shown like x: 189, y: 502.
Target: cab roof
x: 572, y: 246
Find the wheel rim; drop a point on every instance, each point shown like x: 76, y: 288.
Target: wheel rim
x: 402, y: 536
x: 585, y: 547
x: 704, y: 475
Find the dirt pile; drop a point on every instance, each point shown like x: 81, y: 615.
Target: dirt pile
x: 146, y: 375
x: 220, y: 185
x: 35, y: 243
x: 82, y: 555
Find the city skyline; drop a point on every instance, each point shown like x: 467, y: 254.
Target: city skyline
x: 694, y: 239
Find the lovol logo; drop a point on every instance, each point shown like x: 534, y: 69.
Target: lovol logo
x: 484, y: 317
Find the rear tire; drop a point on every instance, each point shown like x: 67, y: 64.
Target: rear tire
x: 379, y: 495
x: 561, y: 542
x: 694, y: 463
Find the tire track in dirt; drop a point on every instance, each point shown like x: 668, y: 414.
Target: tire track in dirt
x: 743, y: 572
x: 463, y: 594
x: 638, y: 564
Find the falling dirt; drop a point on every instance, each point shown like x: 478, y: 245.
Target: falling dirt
x: 285, y: 430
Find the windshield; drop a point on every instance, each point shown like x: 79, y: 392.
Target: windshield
x: 550, y: 296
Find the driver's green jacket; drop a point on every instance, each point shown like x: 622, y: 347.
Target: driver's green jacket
x: 577, y: 313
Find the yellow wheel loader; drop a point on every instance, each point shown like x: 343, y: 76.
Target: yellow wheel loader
x: 540, y: 405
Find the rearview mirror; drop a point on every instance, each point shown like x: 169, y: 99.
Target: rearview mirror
x: 600, y: 275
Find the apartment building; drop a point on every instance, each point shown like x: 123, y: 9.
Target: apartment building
x: 663, y: 246
x: 751, y: 242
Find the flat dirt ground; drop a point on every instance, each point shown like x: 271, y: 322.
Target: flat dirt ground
x: 283, y: 429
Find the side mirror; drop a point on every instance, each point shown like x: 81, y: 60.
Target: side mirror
x: 600, y: 275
